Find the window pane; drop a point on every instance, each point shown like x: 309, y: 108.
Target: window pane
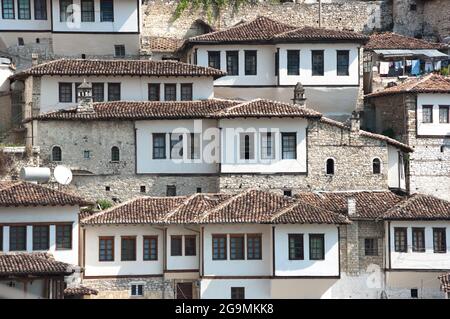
x: 115, y: 154
x: 254, y: 246
x: 64, y: 236
x: 250, y: 62
x: 418, y: 239
x: 289, y: 145
x: 106, y: 10
x: 113, y: 91
x: 400, y: 239
x: 317, y: 62
x: 316, y: 247
x: 237, y: 293
x: 236, y: 247
x: 190, y: 246
x: 8, y: 9
x: 98, y: 92
x: 246, y: 146
x: 214, y: 59
x: 219, y: 247
x: 295, y: 246
x: 159, y: 146
x: 119, y: 51
x: 106, y: 249
x: 371, y: 246
x: 153, y: 91
x: 186, y: 92
x: 376, y: 166
x: 17, y: 238
x: 128, y: 248
x: 41, y: 237
x: 293, y: 62
x: 23, y: 7
x: 439, y: 240
x: 427, y: 114
x: 194, y: 142
x: 176, y: 146
x: 233, y: 62
x: 443, y: 114
x: 170, y: 92
x: 176, y: 245
x: 87, y: 11
x: 65, y: 11
x: 56, y: 154
x: 171, y: 190
x: 65, y: 92
x: 267, y: 143
x: 343, y: 61
x: 1, y: 238
x: 150, y: 248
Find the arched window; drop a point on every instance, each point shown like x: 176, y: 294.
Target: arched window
x: 56, y: 154
x: 330, y: 166
x: 376, y: 166
x: 115, y: 154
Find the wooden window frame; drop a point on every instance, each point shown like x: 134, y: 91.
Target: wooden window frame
x: 225, y: 248
x: 13, y: 17
x: 415, y: 243
x: 107, y: 238
x: 63, y: 95
x: 183, y: 96
x: 290, y: 63
x: 338, y: 66
x: 283, y: 146
x: 172, y: 237
x: 19, y: 8
x: 443, y: 249
x: 242, y: 236
x: 311, y: 237
x: 253, y: 236
x: 444, y: 107
x: 371, y: 251
x: 70, y: 238
x: 110, y: 92
x: 48, y: 238
x: 296, y: 235
x: 166, y: 87
x: 232, y: 65
x: 214, y: 53
x: 247, y: 55
x: 397, y: 247
x: 115, y: 154
x: 25, y: 239
x: 194, y: 237
x: 87, y: 15
x: 96, y: 88
x: 121, y: 247
x: 427, y: 107
x: 150, y: 237
x: 314, y: 72
x: 102, y: 11
x: 157, y: 87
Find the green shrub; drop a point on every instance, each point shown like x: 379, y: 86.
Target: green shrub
x: 104, y: 204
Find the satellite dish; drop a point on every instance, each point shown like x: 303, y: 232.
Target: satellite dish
x: 62, y: 174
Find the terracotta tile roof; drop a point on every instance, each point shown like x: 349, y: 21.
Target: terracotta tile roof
x: 311, y: 34
x: 79, y: 291
x: 32, y: 264
x: 163, y: 44
x: 369, y: 204
x: 430, y: 83
x: 18, y: 193
x: 445, y: 282
x: 393, y: 41
x: 119, y: 67
x: 419, y: 207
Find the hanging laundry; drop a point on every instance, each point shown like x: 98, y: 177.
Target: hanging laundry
x: 384, y: 68
x: 437, y: 65
x: 408, y: 62
x: 398, y: 65
x: 415, y: 68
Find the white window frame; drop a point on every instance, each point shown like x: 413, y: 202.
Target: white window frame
x: 136, y: 283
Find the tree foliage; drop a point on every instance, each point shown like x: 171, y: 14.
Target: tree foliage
x: 210, y: 7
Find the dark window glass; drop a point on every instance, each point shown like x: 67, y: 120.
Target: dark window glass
x: 41, y: 237
x: 153, y: 91
x: 194, y: 142
x: 295, y: 246
x: 190, y: 245
x: 171, y: 190
x: 106, y: 10
x: 24, y: 10
x: 137, y: 290
x: 343, y: 62
x: 128, y: 248
x: 376, y: 166
x: 113, y: 91
x: 250, y: 62
x: 115, y: 154
x: 247, y: 146
x: 414, y: 293
x: 8, y: 9
x: 289, y: 145
x: 65, y: 92
x: 371, y: 246
x: 439, y: 240
x: 98, y: 92
x: 176, y: 146
x: 20, y: 41
x: 316, y: 246
x: 232, y: 62
x: 219, y: 247
x: 40, y: 9
x: 254, y: 246
x: 214, y: 59
x: 237, y: 293
x: 443, y: 114
x: 176, y: 245
x: 317, y: 62
x: 277, y: 63
x: 143, y: 190
x: 287, y: 192
x: 401, y: 244
x: 65, y: 10
x: 64, y: 236
x: 236, y: 247
x: 1, y: 238
x: 87, y: 11
x: 267, y: 142
x: 106, y: 249
x: 330, y: 166
x: 170, y: 92
x: 17, y: 238
x: 119, y: 51
x: 56, y: 154
x: 186, y: 92
x: 418, y: 240
x: 427, y: 114
x: 293, y: 62
x: 150, y: 248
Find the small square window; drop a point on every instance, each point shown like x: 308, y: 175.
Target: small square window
x: 87, y: 154
x: 171, y: 190
x: 199, y: 190
x: 143, y: 190
x: 119, y: 51
x: 107, y: 188
x: 287, y: 192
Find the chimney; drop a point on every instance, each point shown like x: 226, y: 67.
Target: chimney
x: 84, y: 97
x: 355, y: 122
x: 34, y: 59
x: 299, y: 95
x: 351, y: 206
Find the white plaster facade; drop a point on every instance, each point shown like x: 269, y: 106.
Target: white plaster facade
x: 435, y: 128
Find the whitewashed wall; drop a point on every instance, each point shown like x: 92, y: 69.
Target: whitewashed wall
x: 221, y: 288
x: 5, y: 73
x: 29, y: 25
x: 132, y: 88
x: 39, y: 214
x: 396, y: 172
x: 435, y: 128
x: 306, y: 267
x: 183, y: 262
x: 230, y: 146
x: 416, y: 260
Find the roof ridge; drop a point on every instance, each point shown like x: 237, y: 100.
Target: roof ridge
x: 284, y: 210
x: 178, y: 207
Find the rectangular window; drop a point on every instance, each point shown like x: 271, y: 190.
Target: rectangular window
x: 64, y: 236
x: 106, y: 10
x: 237, y: 293
x: 176, y: 245
x: 400, y: 236
x: 293, y: 62
x: 317, y: 62
x: 190, y: 245
x: 65, y: 92
x: 24, y: 10
x: 106, y: 249
x: 113, y: 91
x: 154, y: 91
x: 87, y: 11
x: 219, y: 247
x: 295, y: 246
x: 439, y: 240
x: 427, y: 114
x: 371, y: 246
x: 65, y: 11
x: 343, y: 62
x: 170, y: 92
x: 316, y: 246
x: 98, y: 92
x: 119, y: 51
x: 289, y: 145
x: 137, y: 290
x: 214, y: 59
x: 247, y: 146
x: 232, y: 62
x: 186, y: 91
x: 1, y: 238
x: 237, y: 247
x: 17, y: 238
x: 444, y: 114
x: 150, y: 248
x: 8, y: 9
x: 128, y: 248
x: 40, y: 9
x: 171, y: 190
x: 254, y: 246
x: 41, y: 237
x: 176, y: 146
x: 194, y: 145
x: 277, y: 62
x: 251, y: 62
x: 267, y: 143
x: 418, y: 240
x: 159, y: 145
